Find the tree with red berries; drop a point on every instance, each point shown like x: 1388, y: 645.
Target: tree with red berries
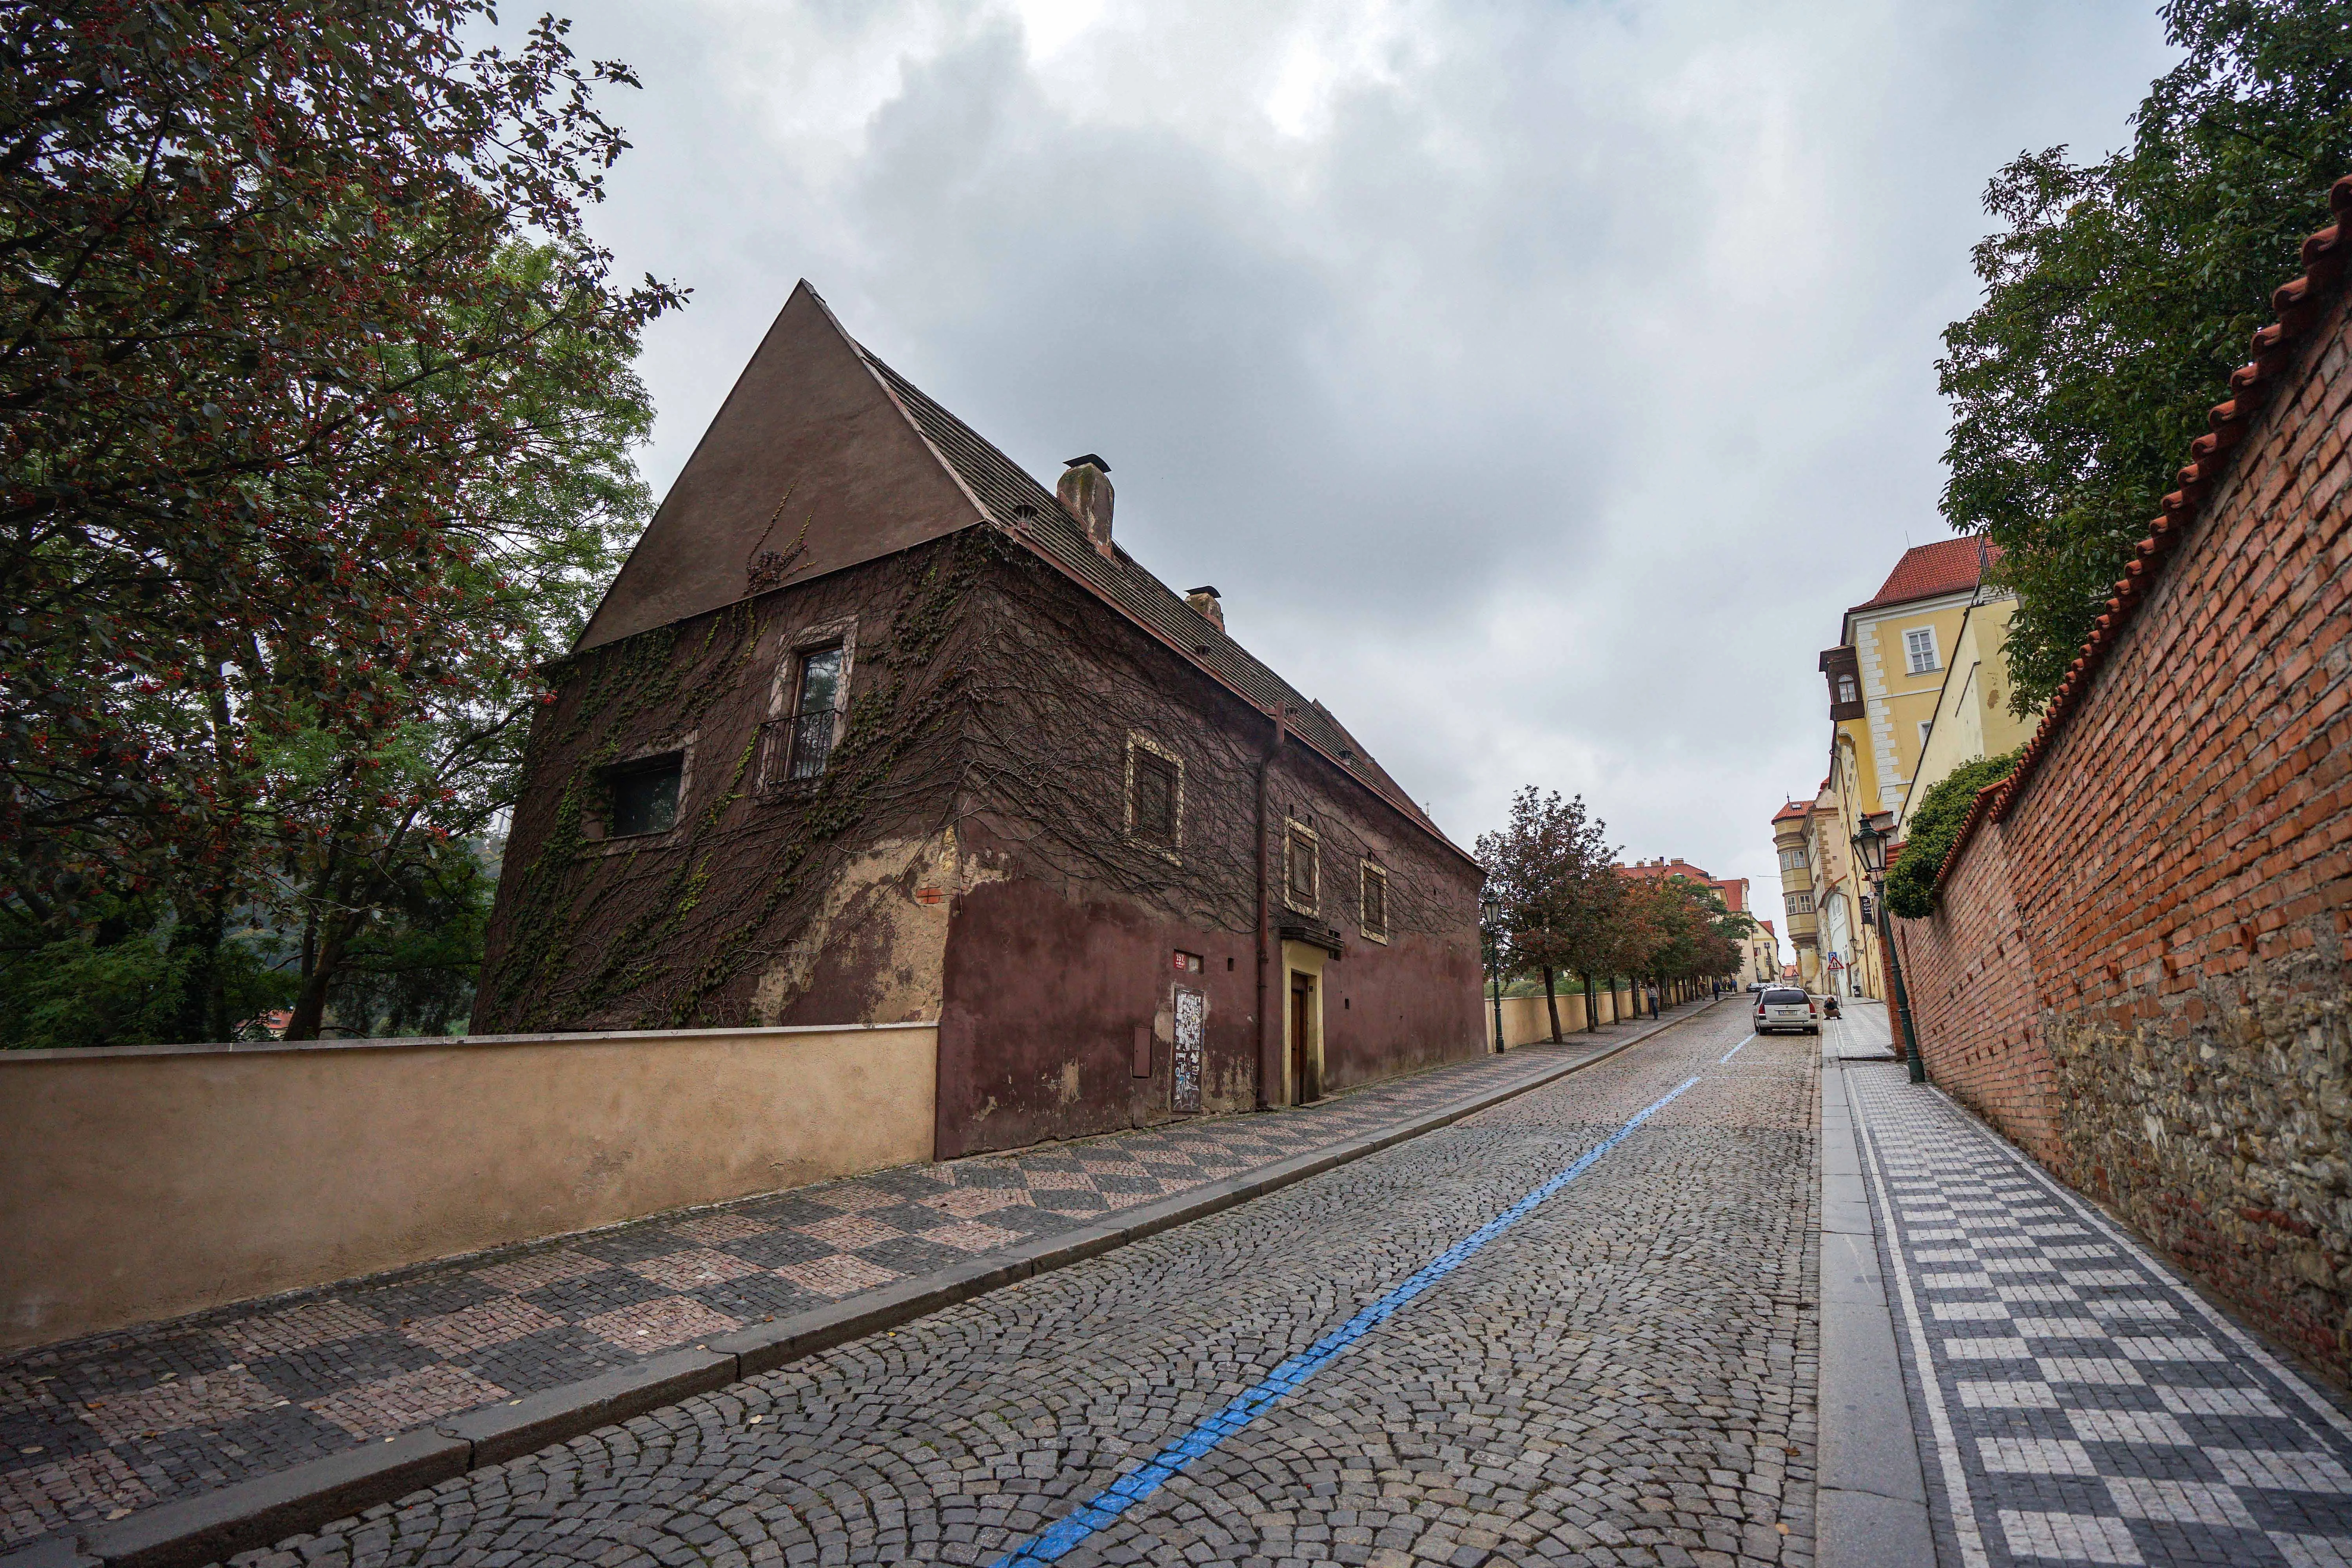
x: 315, y: 406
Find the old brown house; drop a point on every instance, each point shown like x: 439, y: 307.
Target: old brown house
x: 873, y: 727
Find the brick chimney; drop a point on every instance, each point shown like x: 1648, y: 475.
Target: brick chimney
x: 1211, y: 608
x: 1084, y: 493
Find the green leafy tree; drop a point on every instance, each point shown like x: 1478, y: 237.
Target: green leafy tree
x: 2120, y: 294
x: 1550, y: 867
x: 305, y: 456
x: 1929, y: 834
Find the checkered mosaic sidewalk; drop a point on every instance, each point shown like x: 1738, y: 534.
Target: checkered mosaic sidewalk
x: 2085, y: 1405
x: 100, y: 1427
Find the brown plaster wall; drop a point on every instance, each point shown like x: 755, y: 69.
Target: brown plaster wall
x: 808, y: 458
x: 151, y: 1181
x: 767, y: 903
x: 1071, y: 944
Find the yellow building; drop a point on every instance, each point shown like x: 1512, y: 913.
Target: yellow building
x: 1789, y: 839
x: 1886, y: 674
x: 1972, y: 718
x: 1886, y: 679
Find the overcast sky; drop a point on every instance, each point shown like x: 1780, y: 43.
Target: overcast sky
x: 1538, y: 380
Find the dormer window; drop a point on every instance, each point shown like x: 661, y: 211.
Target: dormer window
x: 1848, y: 692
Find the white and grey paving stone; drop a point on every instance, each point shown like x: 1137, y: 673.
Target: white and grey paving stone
x: 1622, y: 1377
x: 2077, y: 1402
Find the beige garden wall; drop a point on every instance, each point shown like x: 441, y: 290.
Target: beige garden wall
x: 1526, y: 1019
x: 146, y: 1182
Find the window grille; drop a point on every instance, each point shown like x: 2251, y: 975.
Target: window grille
x: 816, y: 710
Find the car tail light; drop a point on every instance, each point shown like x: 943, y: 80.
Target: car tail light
x: 1812, y: 1009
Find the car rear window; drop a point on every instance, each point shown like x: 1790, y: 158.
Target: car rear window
x: 1786, y: 998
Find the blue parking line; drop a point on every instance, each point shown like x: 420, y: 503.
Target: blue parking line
x: 1105, y: 1507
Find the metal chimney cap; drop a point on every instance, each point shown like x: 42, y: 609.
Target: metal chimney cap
x: 1090, y: 458
x: 1210, y: 592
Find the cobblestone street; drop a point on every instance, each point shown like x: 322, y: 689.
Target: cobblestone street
x: 1620, y: 1376
x: 100, y: 1427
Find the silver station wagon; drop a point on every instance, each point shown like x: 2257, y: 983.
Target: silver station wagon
x: 1786, y: 1007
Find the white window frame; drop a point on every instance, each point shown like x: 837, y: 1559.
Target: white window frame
x: 1926, y: 727
x: 1926, y: 644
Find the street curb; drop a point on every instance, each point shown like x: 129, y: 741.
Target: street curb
x: 213, y: 1525
x: 1869, y: 1493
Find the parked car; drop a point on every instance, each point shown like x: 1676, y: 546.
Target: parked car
x: 1787, y: 1007
x: 1755, y: 985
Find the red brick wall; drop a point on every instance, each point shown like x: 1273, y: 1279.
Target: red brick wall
x: 2140, y: 974
x: 1972, y: 995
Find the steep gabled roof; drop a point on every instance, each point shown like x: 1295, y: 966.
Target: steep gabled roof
x: 822, y: 457
x: 1932, y: 571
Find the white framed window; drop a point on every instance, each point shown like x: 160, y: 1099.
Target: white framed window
x: 1920, y: 648
x: 1925, y: 725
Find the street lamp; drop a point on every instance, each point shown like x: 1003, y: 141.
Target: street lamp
x: 1490, y: 920
x: 1870, y: 846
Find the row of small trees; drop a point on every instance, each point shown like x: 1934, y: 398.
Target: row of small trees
x: 1562, y: 906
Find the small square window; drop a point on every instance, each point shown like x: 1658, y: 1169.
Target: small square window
x: 644, y: 794
x: 1151, y: 797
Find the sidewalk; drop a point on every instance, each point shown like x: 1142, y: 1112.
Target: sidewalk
x: 98, y: 1428
x: 2073, y: 1401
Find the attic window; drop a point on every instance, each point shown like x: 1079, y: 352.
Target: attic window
x: 1847, y: 693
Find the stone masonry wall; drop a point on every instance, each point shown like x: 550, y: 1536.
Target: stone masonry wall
x: 2179, y: 871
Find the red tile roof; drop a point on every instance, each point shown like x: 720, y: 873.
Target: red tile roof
x: 1931, y: 571
x: 2276, y: 348
x: 1795, y: 809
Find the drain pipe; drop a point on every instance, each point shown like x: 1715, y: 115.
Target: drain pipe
x: 1269, y: 1038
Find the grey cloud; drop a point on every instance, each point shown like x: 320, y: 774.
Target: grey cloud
x: 1538, y: 380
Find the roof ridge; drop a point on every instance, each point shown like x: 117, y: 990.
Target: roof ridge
x: 2252, y: 385
x: 1001, y: 489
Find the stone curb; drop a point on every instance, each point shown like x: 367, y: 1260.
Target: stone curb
x: 1870, y: 1495
x: 213, y: 1525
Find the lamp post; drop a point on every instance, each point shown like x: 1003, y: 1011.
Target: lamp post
x: 1490, y: 920
x: 1870, y: 846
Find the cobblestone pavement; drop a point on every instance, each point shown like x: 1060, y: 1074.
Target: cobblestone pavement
x: 98, y: 1427
x: 1624, y: 1376
x: 2081, y: 1405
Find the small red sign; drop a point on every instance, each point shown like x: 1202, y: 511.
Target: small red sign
x: 929, y: 896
